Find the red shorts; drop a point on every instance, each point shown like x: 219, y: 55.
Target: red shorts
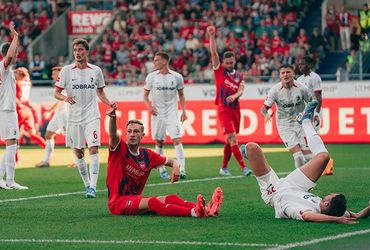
x: 26, y: 119
x: 229, y: 119
x: 126, y: 205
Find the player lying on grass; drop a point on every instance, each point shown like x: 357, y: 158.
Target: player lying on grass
x: 289, y: 196
x: 129, y: 166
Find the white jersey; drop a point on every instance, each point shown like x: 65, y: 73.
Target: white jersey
x: 289, y: 102
x: 82, y: 84
x: 291, y: 203
x: 312, y: 82
x: 164, y: 89
x: 7, y: 88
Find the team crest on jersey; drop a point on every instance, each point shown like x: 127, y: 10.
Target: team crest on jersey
x: 142, y: 165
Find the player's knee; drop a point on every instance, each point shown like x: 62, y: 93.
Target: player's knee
x: 176, y: 141
x: 159, y: 143
x: 153, y: 203
x: 93, y: 150
x: 324, y: 156
x: 252, y: 148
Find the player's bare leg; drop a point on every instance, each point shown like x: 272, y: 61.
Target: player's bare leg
x: 257, y: 159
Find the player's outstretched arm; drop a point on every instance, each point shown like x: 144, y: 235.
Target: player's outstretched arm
x: 101, y: 94
x: 113, y: 135
x: 10, y: 55
x: 364, y: 213
x: 316, y: 217
x: 211, y: 31
x: 175, y: 174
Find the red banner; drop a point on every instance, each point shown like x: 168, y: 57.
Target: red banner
x: 345, y: 120
x: 87, y: 22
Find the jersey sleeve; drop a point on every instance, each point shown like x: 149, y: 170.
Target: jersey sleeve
x: 148, y: 82
x: 317, y: 84
x: 294, y: 211
x: 100, y: 79
x: 306, y: 93
x: 61, y: 81
x: 270, y: 99
x: 156, y: 159
x: 180, y: 81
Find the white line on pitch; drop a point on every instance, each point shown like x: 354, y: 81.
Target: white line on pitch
x: 125, y: 242
x: 324, y: 239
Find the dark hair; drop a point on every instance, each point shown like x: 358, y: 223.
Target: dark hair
x: 163, y: 54
x: 80, y: 41
x: 337, y: 206
x: 4, y: 48
x: 135, y: 121
x: 228, y: 54
x: 287, y: 66
x: 308, y: 60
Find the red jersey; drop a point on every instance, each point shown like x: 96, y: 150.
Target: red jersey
x: 127, y: 173
x: 227, y: 84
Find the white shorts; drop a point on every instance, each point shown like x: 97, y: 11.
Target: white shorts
x: 58, y: 124
x: 77, y: 135
x: 8, y: 125
x: 270, y: 183
x: 171, y: 125
x: 293, y: 136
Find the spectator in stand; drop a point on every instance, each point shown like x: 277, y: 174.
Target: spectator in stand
x: 364, y: 20
x: 36, y: 67
x: 332, y: 28
x: 317, y: 43
x: 302, y: 37
x: 344, y: 19
x: 355, y: 39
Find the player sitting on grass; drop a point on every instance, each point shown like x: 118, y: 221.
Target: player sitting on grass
x: 129, y: 166
x: 289, y: 196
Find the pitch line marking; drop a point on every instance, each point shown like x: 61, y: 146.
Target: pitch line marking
x: 194, y: 243
x: 315, y: 241
x: 149, y: 185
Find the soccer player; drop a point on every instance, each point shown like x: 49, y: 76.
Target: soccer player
x: 26, y: 115
x: 229, y: 87
x: 290, y: 196
x: 129, y: 166
x: 290, y: 98
x: 57, y: 124
x: 82, y: 82
x: 9, y: 131
x: 164, y: 85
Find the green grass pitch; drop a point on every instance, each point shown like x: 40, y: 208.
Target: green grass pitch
x: 55, y: 214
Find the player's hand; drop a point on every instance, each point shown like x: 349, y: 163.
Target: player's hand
x: 267, y: 118
x: 111, y: 112
x: 211, y: 30
x: 183, y: 117
x: 13, y: 33
x: 175, y: 175
x: 153, y: 111
x: 70, y: 99
x: 230, y: 99
x: 316, y: 120
x: 344, y: 220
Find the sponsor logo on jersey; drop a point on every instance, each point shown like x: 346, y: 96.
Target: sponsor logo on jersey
x: 231, y: 84
x: 83, y: 86
x: 165, y: 88
x: 133, y: 171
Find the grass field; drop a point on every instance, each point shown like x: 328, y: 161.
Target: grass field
x: 53, y: 213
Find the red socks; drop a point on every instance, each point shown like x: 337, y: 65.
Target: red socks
x: 227, y: 155
x: 238, y: 155
x: 165, y: 209
x: 39, y: 140
x: 175, y: 200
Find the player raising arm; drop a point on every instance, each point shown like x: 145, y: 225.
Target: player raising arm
x: 9, y: 131
x: 129, y: 166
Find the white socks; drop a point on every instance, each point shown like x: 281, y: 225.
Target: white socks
x: 308, y: 157
x: 50, y: 144
x: 299, y: 159
x: 160, y: 151
x: 180, y: 156
x: 94, y: 170
x: 314, y: 141
x: 8, y: 164
x: 82, y: 168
